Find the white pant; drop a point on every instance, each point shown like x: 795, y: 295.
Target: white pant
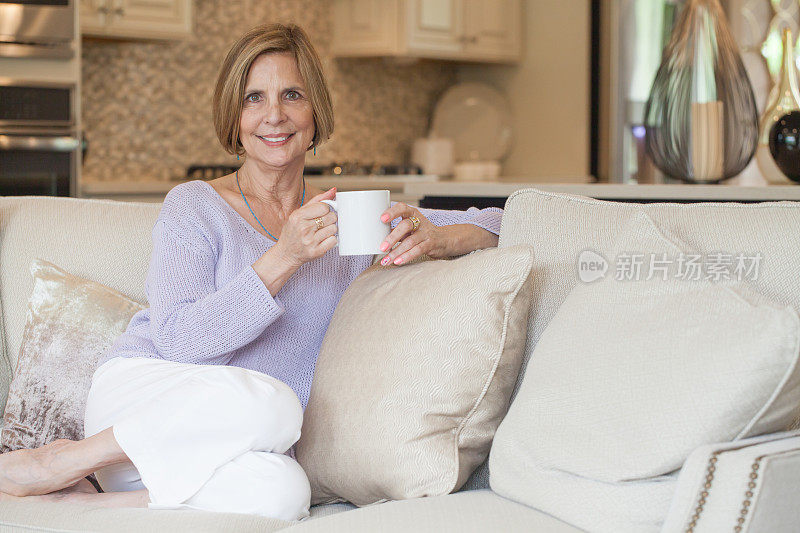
x: 207, y: 437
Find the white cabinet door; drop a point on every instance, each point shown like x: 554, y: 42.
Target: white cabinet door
x: 469, y: 30
x: 435, y: 27
x: 365, y: 28
x: 151, y: 18
x: 147, y: 19
x: 93, y: 16
x: 493, y: 29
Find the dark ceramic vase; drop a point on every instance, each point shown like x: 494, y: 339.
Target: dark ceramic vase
x: 784, y: 98
x: 784, y: 144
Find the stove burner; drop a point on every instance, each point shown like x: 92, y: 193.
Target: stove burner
x: 209, y: 172
x: 354, y: 168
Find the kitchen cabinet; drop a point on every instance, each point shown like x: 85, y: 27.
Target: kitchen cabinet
x: 459, y: 30
x: 136, y: 19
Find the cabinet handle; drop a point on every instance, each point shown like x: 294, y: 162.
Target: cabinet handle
x: 50, y: 144
x: 103, y: 10
x: 473, y: 39
x: 119, y: 12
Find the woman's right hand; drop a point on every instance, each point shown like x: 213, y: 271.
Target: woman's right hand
x: 301, y: 241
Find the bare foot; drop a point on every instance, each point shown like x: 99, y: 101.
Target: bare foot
x: 37, y: 471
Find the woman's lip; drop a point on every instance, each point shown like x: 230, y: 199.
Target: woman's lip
x: 276, y: 143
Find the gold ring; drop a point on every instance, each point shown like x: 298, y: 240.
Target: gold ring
x: 319, y: 222
x: 415, y: 222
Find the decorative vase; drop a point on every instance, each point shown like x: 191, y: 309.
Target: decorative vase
x: 784, y: 144
x: 784, y: 99
x: 701, y: 119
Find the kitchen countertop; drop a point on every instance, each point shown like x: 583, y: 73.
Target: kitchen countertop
x: 418, y: 186
x: 394, y: 183
x: 608, y: 191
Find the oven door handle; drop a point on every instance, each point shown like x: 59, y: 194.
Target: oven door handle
x: 52, y: 144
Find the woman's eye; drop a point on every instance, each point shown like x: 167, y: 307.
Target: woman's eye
x: 252, y: 97
x: 293, y: 95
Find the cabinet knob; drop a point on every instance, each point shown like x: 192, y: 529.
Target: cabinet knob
x: 119, y: 12
x: 103, y: 9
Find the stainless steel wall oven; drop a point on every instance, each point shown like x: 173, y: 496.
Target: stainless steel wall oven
x: 39, y: 143
x: 37, y: 28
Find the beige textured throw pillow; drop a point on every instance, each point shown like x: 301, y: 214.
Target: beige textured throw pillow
x: 414, y: 375
x: 70, y: 323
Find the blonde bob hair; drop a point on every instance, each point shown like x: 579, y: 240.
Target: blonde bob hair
x: 229, y: 91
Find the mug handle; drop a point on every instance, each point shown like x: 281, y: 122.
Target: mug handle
x: 332, y: 205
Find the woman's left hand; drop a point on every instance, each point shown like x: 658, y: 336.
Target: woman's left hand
x: 428, y: 239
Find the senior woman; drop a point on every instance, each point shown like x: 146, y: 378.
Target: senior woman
x: 200, y: 402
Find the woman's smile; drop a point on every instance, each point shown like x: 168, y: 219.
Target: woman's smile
x: 275, y: 140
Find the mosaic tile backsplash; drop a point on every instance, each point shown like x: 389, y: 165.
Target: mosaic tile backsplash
x: 147, y: 105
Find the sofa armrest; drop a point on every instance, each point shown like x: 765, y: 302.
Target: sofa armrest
x: 748, y: 485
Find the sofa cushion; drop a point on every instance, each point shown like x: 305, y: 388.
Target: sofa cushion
x: 414, y: 375
x: 476, y: 511
x: 23, y: 515
x: 106, y: 241
x: 561, y: 226
x: 70, y: 324
x: 633, y: 373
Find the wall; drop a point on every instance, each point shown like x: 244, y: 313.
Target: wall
x: 147, y: 105
x: 549, y: 92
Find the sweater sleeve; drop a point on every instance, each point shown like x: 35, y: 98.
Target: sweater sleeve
x: 192, y: 321
x: 489, y: 218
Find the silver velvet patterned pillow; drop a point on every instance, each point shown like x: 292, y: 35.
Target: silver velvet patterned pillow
x: 70, y: 323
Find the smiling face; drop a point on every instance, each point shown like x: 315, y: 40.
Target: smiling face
x: 277, y: 124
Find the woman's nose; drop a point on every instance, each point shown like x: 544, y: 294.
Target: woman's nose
x: 274, y: 112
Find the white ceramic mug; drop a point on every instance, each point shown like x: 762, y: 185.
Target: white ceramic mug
x: 361, y: 231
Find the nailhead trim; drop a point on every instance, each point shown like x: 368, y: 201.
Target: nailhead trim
x: 701, y: 501
x: 748, y: 495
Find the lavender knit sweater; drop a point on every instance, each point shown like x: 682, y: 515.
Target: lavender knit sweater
x: 208, y: 305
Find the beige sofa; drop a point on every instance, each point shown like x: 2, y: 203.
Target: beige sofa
x: 110, y: 242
